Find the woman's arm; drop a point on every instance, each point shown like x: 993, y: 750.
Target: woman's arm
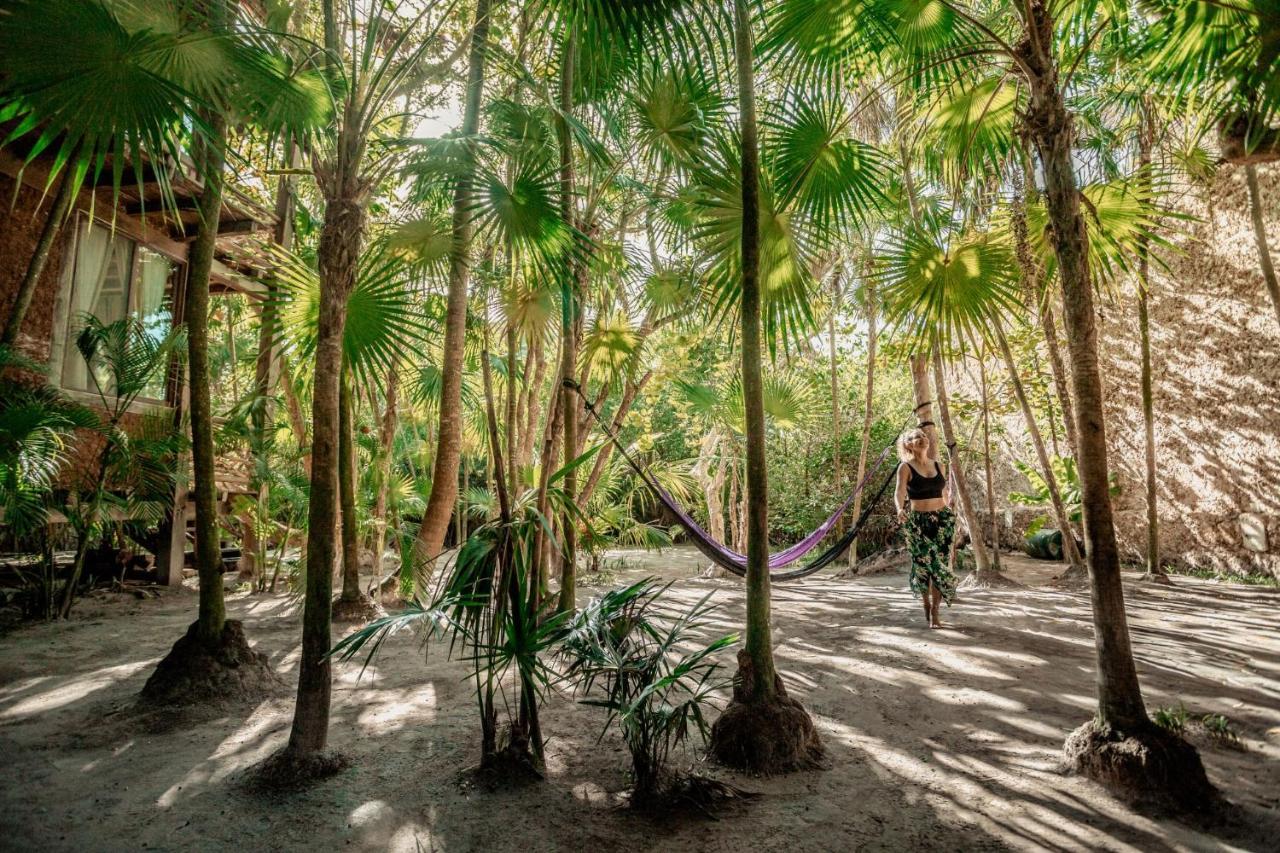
x: 900, y: 491
x: 946, y: 484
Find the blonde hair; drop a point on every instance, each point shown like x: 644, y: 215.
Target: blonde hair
x: 904, y: 452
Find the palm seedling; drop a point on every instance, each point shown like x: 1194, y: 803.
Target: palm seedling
x: 647, y: 666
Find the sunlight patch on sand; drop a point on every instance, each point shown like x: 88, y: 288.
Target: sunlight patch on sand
x: 72, y: 690
x: 977, y: 792
x: 247, y: 745
x: 382, y: 709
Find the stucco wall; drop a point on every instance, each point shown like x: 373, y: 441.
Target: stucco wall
x: 1216, y: 368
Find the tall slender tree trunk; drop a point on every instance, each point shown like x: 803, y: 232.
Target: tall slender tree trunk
x: 347, y: 493
x: 444, y: 479
x: 40, y: 255
x: 1033, y: 286
x: 386, y: 442
x: 986, y: 461
x: 1260, y: 237
x: 868, y: 417
x: 837, y: 431
x: 759, y: 641
x: 762, y: 729
x: 1069, y: 550
x: 208, y: 547
x: 568, y: 330
x: 513, y: 394
x: 1119, y: 695
x: 1155, y: 569
x: 980, y: 557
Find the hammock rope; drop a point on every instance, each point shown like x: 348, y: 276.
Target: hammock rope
x: 733, y: 561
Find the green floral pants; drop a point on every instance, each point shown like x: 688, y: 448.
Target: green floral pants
x: 929, y: 541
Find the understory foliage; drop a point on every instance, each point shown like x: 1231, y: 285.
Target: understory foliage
x: 632, y: 653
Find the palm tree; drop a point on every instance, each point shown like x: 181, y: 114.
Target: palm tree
x: 444, y: 478
x: 762, y: 728
x: 368, y: 69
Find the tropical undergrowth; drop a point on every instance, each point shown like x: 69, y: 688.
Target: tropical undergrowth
x: 646, y: 665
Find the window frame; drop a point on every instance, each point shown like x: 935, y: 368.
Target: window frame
x: 62, y: 346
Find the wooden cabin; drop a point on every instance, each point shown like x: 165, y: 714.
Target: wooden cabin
x: 121, y: 254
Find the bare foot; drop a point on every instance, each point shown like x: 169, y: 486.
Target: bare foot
x: 936, y: 624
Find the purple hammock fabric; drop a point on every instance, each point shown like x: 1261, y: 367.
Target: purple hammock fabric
x: 718, y: 552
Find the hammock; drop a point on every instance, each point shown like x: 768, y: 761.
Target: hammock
x: 733, y: 561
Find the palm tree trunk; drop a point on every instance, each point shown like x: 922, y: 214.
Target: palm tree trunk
x: 444, y: 479
x: 40, y: 256
x: 759, y: 641
x: 568, y: 328
x: 629, y: 396
x: 1033, y: 286
x: 1155, y: 569
x: 836, y: 431
x: 386, y: 440
x: 762, y: 729
x: 208, y: 547
x: 986, y: 461
x: 1260, y: 237
x: 868, y: 416
x: 340, y: 242
x: 513, y: 393
x: 347, y: 493
x: 1060, y: 517
x: 981, y: 560
x: 1119, y: 695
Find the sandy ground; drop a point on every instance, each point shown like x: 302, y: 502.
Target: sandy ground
x: 938, y: 740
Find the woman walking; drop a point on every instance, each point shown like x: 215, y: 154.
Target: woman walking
x: 923, y: 499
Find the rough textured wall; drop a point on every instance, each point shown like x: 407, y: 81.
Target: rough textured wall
x: 20, y: 226
x: 1216, y: 368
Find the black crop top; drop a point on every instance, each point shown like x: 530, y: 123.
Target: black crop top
x: 922, y: 488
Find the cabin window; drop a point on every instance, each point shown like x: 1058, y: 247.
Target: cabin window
x: 113, y: 276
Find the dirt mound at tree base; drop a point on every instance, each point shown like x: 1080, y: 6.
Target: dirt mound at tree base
x: 198, y: 672
x: 357, y: 610
x: 291, y: 770
x: 773, y: 736
x: 1153, y: 768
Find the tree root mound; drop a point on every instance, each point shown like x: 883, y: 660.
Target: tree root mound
x: 197, y: 672
x: 1162, y: 580
x: 1153, y: 768
x: 290, y: 769
x: 770, y: 736
x: 356, y: 610
x: 1072, y: 579
x: 988, y: 580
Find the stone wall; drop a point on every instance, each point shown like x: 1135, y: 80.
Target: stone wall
x: 1216, y: 368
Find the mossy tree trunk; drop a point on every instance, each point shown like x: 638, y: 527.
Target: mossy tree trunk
x: 208, y: 545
